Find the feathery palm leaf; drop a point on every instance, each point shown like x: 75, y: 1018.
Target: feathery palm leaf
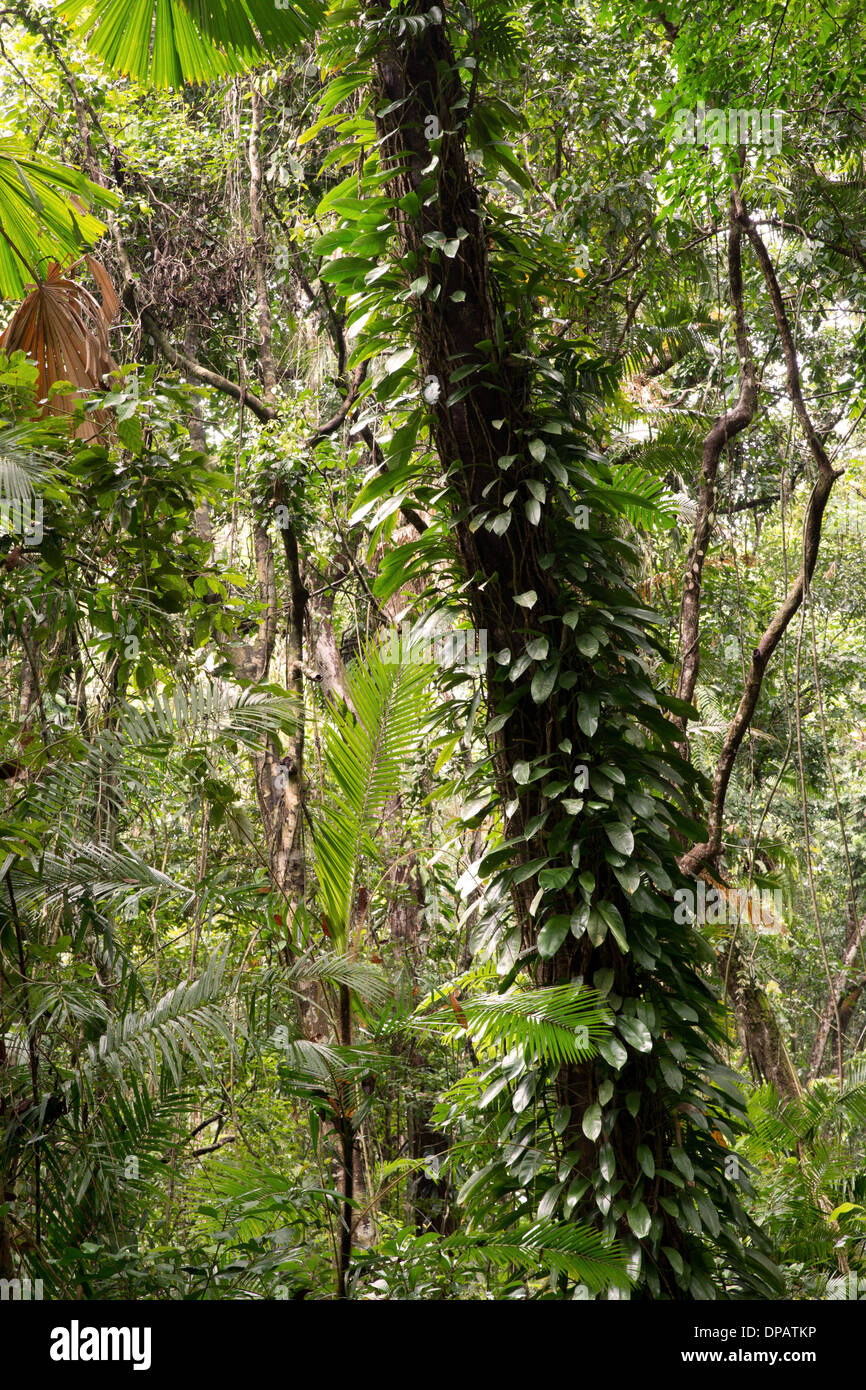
x: 500, y: 30
x: 100, y: 873
x: 84, y: 1175
x: 555, y: 1024
x: 365, y: 980
x: 637, y: 495
x: 570, y: 1249
x: 366, y: 753
x: 143, y: 1043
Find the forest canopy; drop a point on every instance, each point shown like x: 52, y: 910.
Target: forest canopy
x: 432, y: 651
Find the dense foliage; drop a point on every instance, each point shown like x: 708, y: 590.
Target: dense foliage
x: 431, y: 638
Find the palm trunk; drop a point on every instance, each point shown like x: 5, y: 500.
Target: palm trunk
x: 348, y: 1151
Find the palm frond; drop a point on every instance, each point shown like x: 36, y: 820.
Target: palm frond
x: 500, y: 30
x: 367, y: 752
x: 177, y: 1026
x: 111, y: 765
x: 40, y: 220
x: 100, y: 873
x: 167, y: 43
x: 364, y: 979
x: 563, y: 1248
x: 637, y: 495
x: 651, y: 347
x: 311, y: 1065
x: 558, y: 1024
x: 88, y: 1183
x: 63, y: 328
x: 208, y: 712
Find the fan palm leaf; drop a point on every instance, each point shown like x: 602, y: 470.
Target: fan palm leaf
x: 43, y: 215
x: 64, y: 329
x: 166, y: 43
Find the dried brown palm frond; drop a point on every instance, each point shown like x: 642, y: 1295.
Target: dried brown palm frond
x: 64, y: 329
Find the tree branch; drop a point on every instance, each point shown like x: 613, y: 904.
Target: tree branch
x: 705, y: 854
x: 724, y: 428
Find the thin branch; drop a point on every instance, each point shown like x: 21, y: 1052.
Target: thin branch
x: 724, y: 428
x: 705, y: 854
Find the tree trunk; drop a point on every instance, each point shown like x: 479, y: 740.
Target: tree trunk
x: 534, y: 581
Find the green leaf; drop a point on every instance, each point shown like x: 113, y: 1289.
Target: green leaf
x: 635, y: 1032
x: 646, y: 1161
x: 579, y: 920
x: 543, y: 682
x: 682, y: 1161
x: 613, y: 1052
x: 612, y: 916
x: 552, y: 935
x: 840, y: 1210
x: 602, y: 981
x: 587, y: 714
x: 672, y: 1075
x: 399, y: 359
x: 548, y: 1203
x: 628, y: 878
x: 554, y: 878
x: 620, y: 837
x: 639, y: 1220
x: 596, y: 927
x: 591, y: 1122
x: 39, y: 218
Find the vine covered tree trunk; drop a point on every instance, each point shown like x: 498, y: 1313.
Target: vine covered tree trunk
x: 584, y: 760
